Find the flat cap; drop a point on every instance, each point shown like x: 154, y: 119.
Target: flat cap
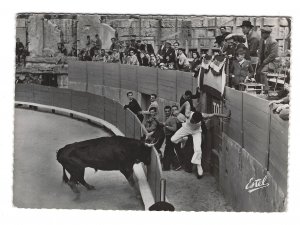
x: 266, y: 29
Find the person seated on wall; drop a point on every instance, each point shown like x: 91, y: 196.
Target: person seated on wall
x: 158, y: 60
x: 196, y: 63
x: 102, y: 55
x: 96, y: 56
x: 145, y: 58
x: 168, y: 65
x: 152, y: 62
x: 153, y: 130
x: 282, y: 106
x: 233, y: 42
x: 115, y: 57
x: 241, y: 69
x: 134, y: 106
x: 183, y: 62
x: 108, y: 56
x: 132, y: 58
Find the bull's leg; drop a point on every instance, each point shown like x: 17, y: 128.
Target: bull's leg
x: 128, y: 173
x: 83, y: 182
x: 73, y: 178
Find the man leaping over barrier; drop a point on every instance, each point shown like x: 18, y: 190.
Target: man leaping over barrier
x: 192, y: 126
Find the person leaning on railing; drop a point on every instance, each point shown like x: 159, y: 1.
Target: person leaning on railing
x: 282, y: 106
x: 193, y: 126
x: 134, y: 106
x: 132, y: 58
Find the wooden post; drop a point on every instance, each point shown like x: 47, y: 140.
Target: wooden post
x: 199, y: 46
x: 186, y: 47
x: 234, y: 25
x: 140, y: 28
x: 176, y: 28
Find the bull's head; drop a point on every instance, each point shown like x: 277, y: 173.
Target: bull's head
x: 145, y: 152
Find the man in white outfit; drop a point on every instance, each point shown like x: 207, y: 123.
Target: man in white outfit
x: 192, y: 126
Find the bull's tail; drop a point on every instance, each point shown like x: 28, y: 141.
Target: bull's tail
x: 65, y: 177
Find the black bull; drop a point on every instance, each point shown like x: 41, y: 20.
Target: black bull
x: 105, y: 153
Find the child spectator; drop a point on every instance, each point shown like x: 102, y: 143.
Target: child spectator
x: 152, y: 62
x: 241, y: 69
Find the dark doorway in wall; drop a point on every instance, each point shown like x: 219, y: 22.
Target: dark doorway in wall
x: 145, y: 101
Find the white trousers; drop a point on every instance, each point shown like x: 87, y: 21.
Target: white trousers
x: 197, y: 138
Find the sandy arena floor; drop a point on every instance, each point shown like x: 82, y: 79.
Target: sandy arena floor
x: 38, y: 176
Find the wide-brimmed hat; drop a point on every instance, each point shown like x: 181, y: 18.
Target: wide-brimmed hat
x: 266, y: 29
x: 247, y: 23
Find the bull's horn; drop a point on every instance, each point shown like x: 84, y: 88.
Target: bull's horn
x: 151, y: 145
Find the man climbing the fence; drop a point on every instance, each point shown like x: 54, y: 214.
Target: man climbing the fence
x: 194, y: 125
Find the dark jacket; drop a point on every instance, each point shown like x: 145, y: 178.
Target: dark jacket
x: 240, y: 72
x: 134, y: 106
x: 168, y: 53
x: 270, y: 53
x: 148, y: 48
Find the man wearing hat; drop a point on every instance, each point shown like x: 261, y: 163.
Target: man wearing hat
x: 252, y: 37
x: 267, y: 53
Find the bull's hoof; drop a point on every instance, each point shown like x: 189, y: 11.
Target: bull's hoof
x: 77, y: 197
x: 74, y: 187
x: 90, y: 187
